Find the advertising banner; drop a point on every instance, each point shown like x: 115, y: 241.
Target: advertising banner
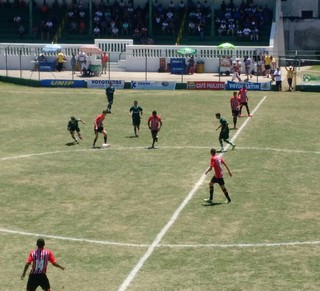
x: 103, y: 84
x: 205, y: 85
x: 153, y: 85
x: 64, y: 83
x: 265, y: 86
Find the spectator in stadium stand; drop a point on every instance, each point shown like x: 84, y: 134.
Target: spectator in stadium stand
x: 231, y: 29
x: 82, y: 26
x: 49, y: 26
x: 254, y: 34
x: 96, y: 31
x: 44, y: 9
x: 125, y: 28
x: 246, y: 33
x: 115, y: 32
x: 192, y: 27
x: 222, y: 28
x: 73, y: 27
x: 239, y: 34
x: 21, y: 30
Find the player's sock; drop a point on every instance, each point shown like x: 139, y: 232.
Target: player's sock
x: 227, y: 195
x: 211, y: 192
x: 105, y: 139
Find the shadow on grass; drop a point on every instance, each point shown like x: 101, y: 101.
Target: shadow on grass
x: 70, y: 143
x: 212, y: 204
x: 132, y: 136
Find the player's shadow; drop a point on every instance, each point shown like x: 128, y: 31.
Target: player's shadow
x: 131, y: 136
x: 68, y: 144
x: 212, y: 204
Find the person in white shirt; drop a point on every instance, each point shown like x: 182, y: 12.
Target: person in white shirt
x: 278, y: 78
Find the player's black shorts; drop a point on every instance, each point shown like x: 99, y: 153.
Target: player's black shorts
x: 36, y: 280
x: 100, y: 129
x: 235, y: 112
x: 267, y: 67
x: 220, y: 181
x: 136, y: 122
x: 154, y: 133
x: 244, y: 103
x: 77, y: 129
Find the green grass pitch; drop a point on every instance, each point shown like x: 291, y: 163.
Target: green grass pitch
x: 100, y: 210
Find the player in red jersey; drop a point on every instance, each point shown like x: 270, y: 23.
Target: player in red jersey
x: 39, y: 259
x: 216, y: 164
x: 98, y: 127
x: 244, y: 100
x: 154, y: 124
x: 235, y: 108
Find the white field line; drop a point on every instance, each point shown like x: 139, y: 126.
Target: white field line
x: 209, y: 245
x: 163, y: 148
x: 91, y: 241
x: 172, y: 220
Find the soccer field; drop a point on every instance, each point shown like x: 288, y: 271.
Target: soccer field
x: 131, y: 218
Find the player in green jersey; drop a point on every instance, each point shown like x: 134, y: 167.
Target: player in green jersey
x: 136, y: 112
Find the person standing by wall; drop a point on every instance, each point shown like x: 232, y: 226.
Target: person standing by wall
x: 73, y: 62
x: 60, y: 60
x: 278, y: 78
x: 104, y: 62
x: 39, y: 259
x: 290, y: 73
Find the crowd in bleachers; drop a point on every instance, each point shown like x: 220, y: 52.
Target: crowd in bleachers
x: 46, y: 17
x: 242, y: 22
x: 123, y: 19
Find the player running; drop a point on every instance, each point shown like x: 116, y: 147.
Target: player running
x: 98, y: 128
x: 73, y: 127
x: 154, y: 124
x: 136, y: 112
x: 224, y: 132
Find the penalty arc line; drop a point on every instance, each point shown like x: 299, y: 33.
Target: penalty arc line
x: 175, y: 215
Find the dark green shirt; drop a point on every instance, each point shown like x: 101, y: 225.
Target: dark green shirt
x: 136, y: 112
x: 110, y: 91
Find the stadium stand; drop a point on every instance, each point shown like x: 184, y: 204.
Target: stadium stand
x: 182, y: 22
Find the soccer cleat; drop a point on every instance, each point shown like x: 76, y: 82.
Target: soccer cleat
x: 228, y: 201
x: 250, y: 115
x: 208, y: 200
x: 233, y: 146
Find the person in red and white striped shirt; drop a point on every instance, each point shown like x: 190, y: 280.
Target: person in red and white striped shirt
x: 39, y: 259
x: 154, y: 124
x: 235, y: 108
